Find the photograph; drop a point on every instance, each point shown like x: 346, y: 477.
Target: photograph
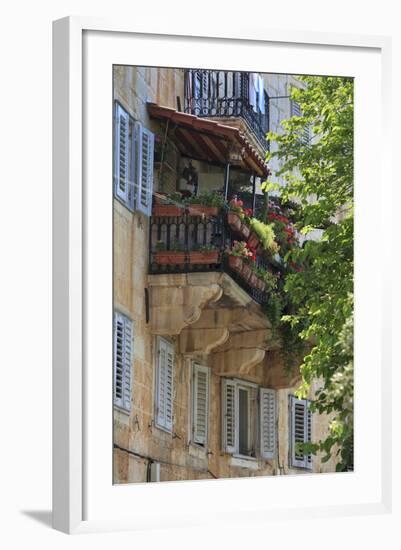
x: 233, y: 274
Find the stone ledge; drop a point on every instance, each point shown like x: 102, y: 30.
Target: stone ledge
x: 243, y: 462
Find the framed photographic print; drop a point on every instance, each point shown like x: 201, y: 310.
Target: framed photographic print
x: 218, y: 348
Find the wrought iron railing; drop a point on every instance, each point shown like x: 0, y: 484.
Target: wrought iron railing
x: 187, y: 243
x: 227, y: 94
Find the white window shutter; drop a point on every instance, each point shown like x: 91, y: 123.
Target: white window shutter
x: 123, y: 355
x: 200, y: 403
x: 229, y: 416
x: 164, y: 390
x: 301, y: 431
x: 145, y: 172
x: 267, y: 423
x: 122, y: 154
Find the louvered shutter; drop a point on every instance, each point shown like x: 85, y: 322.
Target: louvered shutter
x: 267, y: 423
x: 229, y: 415
x: 145, y: 172
x: 295, y: 108
x: 301, y: 431
x: 200, y: 403
x: 122, y: 154
x: 296, y: 111
x: 164, y: 393
x: 123, y: 355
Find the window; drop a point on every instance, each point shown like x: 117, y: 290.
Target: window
x: 123, y: 356
x: 133, y: 162
x: 248, y: 419
x: 164, y: 384
x: 300, y: 432
x: 306, y: 132
x: 200, y: 403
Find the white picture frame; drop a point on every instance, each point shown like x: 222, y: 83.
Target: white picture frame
x: 75, y: 404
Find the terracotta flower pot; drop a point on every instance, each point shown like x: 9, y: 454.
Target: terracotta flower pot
x: 245, y: 231
x: 235, y: 263
x: 200, y: 210
x: 211, y: 257
x: 170, y: 257
x: 246, y: 272
x: 234, y: 221
x: 260, y: 284
x: 167, y: 210
x: 253, y: 280
x: 254, y: 241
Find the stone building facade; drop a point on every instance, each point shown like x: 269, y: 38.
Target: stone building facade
x: 200, y: 390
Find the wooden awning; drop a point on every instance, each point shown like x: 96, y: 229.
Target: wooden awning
x: 208, y: 140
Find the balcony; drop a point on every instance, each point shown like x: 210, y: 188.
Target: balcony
x: 230, y: 97
x: 195, y: 239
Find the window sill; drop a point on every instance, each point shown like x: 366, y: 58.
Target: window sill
x: 197, y: 451
x: 119, y: 409
x: 244, y: 462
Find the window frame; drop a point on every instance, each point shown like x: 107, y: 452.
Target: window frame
x: 255, y: 420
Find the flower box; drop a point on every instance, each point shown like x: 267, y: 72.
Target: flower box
x: 170, y: 257
x: 210, y: 257
x: 201, y: 210
x: 167, y: 210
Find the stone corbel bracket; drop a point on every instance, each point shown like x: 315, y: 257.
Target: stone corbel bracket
x: 176, y: 301
x: 240, y: 353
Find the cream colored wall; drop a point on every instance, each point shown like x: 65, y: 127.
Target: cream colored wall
x: 136, y: 431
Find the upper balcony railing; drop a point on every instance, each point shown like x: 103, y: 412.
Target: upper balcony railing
x: 183, y: 243
x: 228, y: 94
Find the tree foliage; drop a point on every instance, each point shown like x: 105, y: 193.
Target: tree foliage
x: 318, y: 173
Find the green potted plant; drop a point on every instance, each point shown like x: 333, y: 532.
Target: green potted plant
x: 205, y: 204
x: 207, y: 254
x: 262, y: 237
x: 175, y: 256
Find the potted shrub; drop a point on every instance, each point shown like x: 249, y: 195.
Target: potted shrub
x: 205, y: 204
x: 207, y: 254
x: 262, y: 236
x: 168, y: 209
x: 246, y: 272
x: 174, y: 256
